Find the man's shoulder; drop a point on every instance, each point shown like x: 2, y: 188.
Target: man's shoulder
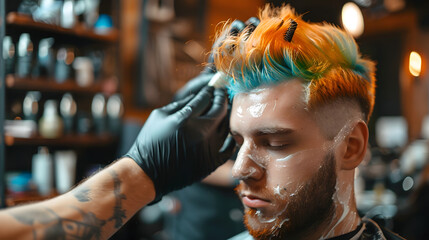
x: 242, y: 236
x: 374, y: 231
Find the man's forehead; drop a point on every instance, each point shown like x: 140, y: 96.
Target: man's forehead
x: 289, y: 92
x: 280, y: 106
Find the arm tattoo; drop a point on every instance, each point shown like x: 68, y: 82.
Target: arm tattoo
x: 118, y: 211
x: 31, y: 216
x: 82, y: 194
x: 88, y: 227
x: 61, y: 228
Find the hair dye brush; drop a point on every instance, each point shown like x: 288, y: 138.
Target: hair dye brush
x: 218, y: 80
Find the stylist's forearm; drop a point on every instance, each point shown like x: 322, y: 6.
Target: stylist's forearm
x: 96, y: 209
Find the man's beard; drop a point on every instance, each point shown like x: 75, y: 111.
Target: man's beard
x: 305, y: 211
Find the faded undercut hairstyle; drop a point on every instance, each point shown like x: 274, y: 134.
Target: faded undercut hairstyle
x: 325, y: 58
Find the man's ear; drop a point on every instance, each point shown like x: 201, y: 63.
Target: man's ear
x: 355, y: 147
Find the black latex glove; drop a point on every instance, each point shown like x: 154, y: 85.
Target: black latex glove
x: 183, y: 142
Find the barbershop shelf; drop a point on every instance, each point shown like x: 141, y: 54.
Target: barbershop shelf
x: 13, y: 199
x: 26, y: 21
x: 70, y: 140
x: 49, y: 85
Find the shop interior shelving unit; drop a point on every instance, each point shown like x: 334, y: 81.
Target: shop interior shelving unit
x: 16, y: 152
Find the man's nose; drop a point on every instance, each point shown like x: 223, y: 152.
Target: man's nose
x: 245, y: 166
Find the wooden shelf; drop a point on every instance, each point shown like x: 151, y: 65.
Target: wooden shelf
x: 50, y: 85
x: 70, y: 140
x: 22, y: 20
x: 405, y: 21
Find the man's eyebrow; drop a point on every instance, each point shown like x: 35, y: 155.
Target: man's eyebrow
x: 267, y: 131
x: 274, y: 131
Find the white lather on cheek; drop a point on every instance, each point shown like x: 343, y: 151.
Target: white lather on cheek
x: 278, y: 191
x: 309, y: 159
x: 298, y: 156
x: 271, y: 219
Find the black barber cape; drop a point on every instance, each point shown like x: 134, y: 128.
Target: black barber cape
x: 368, y: 230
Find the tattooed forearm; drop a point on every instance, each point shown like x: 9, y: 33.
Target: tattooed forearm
x: 30, y: 216
x: 81, y: 193
x: 47, y: 224
x: 56, y: 227
x: 118, y: 211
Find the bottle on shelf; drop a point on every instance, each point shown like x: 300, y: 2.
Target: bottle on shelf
x: 42, y: 171
x: 8, y: 54
x: 115, y: 111
x: 25, y: 55
x: 68, y: 17
x: 98, y: 109
x: 30, y: 105
x: 84, y: 71
x: 50, y: 124
x: 45, y: 58
x: 65, y: 57
x: 49, y: 12
x: 65, y: 170
x: 68, y: 109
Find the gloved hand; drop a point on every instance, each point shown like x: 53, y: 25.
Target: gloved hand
x: 183, y: 142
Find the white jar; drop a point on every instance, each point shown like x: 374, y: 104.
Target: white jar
x: 50, y: 124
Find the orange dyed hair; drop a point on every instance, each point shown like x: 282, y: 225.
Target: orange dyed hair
x: 323, y: 56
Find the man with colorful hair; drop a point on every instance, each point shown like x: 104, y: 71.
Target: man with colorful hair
x: 301, y: 99
x: 302, y: 96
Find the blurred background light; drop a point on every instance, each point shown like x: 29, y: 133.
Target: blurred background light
x: 394, y: 5
x: 408, y: 183
x: 352, y: 19
x: 415, y: 65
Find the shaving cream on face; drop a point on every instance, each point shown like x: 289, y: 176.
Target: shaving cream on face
x: 304, y: 158
x: 258, y: 98
x: 307, y: 162
x: 343, y: 216
x: 343, y: 197
x: 289, y: 185
x: 289, y: 194
x: 248, y: 158
x: 257, y: 110
x: 284, y: 177
x: 239, y: 114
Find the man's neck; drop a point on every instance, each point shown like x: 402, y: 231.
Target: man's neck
x: 346, y: 218
x: 338, y: 225
x: 344, y: 221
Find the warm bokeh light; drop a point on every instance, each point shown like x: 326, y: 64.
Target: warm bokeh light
x: 415, y: 65
x: 352, y: 19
